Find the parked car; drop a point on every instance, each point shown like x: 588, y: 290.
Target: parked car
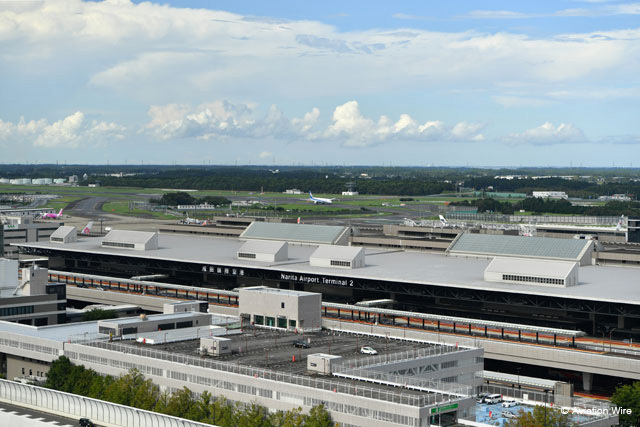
x: 509, y: 403
x: 85, y: 422
x: 493, y: 398
x: 368, y: 350
x: 481, y: 397
x: 301, y: 344
x: 507, y: 414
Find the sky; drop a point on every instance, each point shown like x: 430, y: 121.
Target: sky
x: 466, y: 83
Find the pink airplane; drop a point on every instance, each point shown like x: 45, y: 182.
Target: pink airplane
x: 52, y: 215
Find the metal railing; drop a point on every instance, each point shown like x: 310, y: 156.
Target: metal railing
x: 539, y: 219
x: 408, y: 382
x: 401, y: 356
x: 411, y: 399
x: 74, y: 406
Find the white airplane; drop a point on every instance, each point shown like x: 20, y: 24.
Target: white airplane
x: 319, y: 200
x: 87, y: 229
x: 620, y: 223
x: 191, y: 220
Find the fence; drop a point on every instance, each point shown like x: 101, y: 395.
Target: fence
x: 408, y: 398
x: 535, y: 219
x: 98, y: 411
x: 440, y: 389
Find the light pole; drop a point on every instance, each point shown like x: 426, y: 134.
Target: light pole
x: 610, y: 333
x: 545, y: 407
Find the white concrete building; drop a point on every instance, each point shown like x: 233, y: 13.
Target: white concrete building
x: 338, y: 256
x: 64, y: 234
x: 532, y: 271
x: 281, y: 308
x: 550, y: 195
x: 264, y: 251
x: 126, y: 239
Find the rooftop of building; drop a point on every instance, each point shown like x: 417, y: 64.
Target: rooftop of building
x: 302, y: 233
x: 60, y: 333
x: 531, y: 267
x: 128, y: 236
x: 503, y: 245
x: 598, y: 283
x: 273, y: 349
x: 154, y: 317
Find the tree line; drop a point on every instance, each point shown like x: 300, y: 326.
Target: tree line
x: 132, y: 389
x: 184, y: 198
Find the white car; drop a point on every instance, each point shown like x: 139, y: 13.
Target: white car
x: 507, y: 414
x: 509, y: 403
x: 368, y: 350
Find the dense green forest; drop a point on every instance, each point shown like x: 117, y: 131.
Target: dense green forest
x: 409, y: 181
x: 183, y: 198
x: 134, y: 390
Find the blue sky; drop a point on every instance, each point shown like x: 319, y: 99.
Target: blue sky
x: 490, y: 83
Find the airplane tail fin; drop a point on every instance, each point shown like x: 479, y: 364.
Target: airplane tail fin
x: 60, y: 213
x: 87, y: 228
x: 443, y: 220
x: 310, y: 195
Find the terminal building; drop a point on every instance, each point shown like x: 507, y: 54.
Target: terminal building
x: 593, y: 299
x: 30, y: 299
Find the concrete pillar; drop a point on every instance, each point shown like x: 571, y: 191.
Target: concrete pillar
x: 620, y: 322
x: 587, y: 381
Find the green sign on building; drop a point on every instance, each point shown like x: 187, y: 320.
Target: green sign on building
x: 444, y: 408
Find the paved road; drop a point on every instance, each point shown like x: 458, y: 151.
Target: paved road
x: 16, y: 416
x: 91, y: 207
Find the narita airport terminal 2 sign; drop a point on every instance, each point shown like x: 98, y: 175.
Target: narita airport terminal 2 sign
x: 316, y: 280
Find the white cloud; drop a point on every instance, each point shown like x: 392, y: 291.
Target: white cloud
x: 607, y: 10
x: 225, y: 119
x: 359, y: 131
x: 70, y: 132
x: 137, y: 48
x: 510, y: 101
x: 349, y: 126
x: 548, y: 133
x: 265, y: 155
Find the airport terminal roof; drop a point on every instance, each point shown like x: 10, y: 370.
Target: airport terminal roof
x: 63, y: 231
x: 519, y: 246
x: 531, y: 267
x: 597, y: 283
x: 337, y: 252
x: 301, y: 233
x: 129, y: 236
x: 262, y: 246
